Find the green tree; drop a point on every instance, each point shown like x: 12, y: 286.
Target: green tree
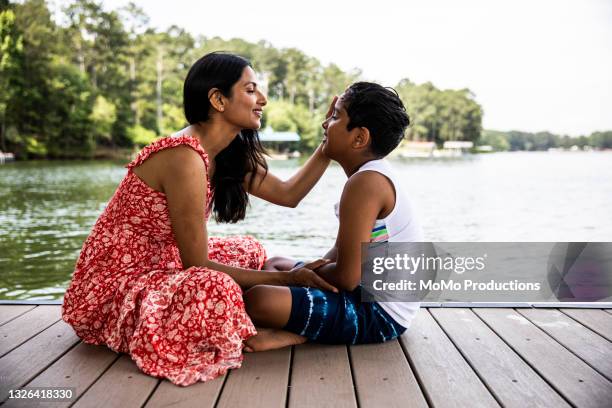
x: 51, y: 100
x: 70, y: 128
x: 103, y: 117
x: 113, y: 80
x: 11, y: 48
x: 284, y: 116
x: 31, y: 89
x: 141, y: 136
x: 440, y: 115
x: 496, y: 139
x: 136, y: 22
x: 601, y: 140
x: 100, y: 48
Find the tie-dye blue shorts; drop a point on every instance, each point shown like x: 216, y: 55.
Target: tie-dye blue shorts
x: 339, y: 318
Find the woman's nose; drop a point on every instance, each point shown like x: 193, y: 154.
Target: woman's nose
x: 262, y: 99
x: 324, y: 124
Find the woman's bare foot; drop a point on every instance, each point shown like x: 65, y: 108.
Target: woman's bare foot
x: 270, y: 339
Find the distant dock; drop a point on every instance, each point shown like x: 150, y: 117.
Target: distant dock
x: 429, y: 150
x: 6, y: 157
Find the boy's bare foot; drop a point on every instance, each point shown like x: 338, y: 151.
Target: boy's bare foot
x: 270, y: 339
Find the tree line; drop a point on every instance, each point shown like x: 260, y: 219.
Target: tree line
x: 516, y: 140
x: 91, y: 80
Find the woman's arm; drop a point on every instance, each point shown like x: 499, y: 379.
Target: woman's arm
x: 290, y: 192
x: 181, y: 171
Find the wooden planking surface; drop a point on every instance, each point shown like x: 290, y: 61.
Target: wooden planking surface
x: 321, y: 377
x: 383, y: 377
x: 9, y: 312
x: 93, y: 371
x: 201, y: 394
x: 586, y: 344
x: 122, y: 385
x: 445, y: 376
x: 26, y: 361
x: 568, y: 374
x: 27, y: 325
x: 260, y: 382
x: 79, y: 368
x: 513, y: 382
x: 595, y: 319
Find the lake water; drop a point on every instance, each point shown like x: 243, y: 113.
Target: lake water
x: 48, y: 208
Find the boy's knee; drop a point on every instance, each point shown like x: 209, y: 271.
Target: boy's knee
x: 257, y: 303
x: 278, y: 263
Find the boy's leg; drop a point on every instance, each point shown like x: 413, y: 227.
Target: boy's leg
x: 324, y: 317
x: 271, y: 339
x: 270, y: 308
x: 279, y: 263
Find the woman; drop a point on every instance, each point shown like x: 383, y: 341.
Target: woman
x: 149, y: 281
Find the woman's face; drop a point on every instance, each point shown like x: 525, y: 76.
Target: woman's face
x: 245, y: 105
x: 337, y: 139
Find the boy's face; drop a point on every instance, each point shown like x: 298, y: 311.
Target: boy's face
x: 337, y: 139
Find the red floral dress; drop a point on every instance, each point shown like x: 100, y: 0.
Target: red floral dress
x: 130, y: 291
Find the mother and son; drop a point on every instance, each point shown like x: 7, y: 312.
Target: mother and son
x: 151, y: 282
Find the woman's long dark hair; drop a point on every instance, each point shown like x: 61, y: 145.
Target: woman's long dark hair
x: 244, y: 154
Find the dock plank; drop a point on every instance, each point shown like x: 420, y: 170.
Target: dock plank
x: 383, y: 377
x: 321, y: 377
x: 25, y: 362
x: 122, y: 385
x: 446, y: 378
x: 595, y: 319
x: 9, y: 312
x: 261, y: 382
x: 78, y: 369
x: 570, y: 376
x: 513, y: 382
x: 200, y: 395
x: 586, y: 344
x: 19, y: 330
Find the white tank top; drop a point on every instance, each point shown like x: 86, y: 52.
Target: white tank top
x: 400, y: 225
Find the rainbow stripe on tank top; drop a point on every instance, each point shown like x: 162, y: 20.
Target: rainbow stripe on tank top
x: 379, y: 232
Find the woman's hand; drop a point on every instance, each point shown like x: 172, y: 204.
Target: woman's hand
x: 305, y: 276
x: 290, y: 192
x: 330, y: 110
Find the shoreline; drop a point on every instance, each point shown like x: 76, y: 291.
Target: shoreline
x: 127, y: 154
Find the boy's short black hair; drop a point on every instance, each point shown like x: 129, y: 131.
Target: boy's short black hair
x: 381, y: 111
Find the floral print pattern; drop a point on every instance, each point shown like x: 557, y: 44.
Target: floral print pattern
x: 130, y: 291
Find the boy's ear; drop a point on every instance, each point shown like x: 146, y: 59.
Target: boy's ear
x: 362, y: 138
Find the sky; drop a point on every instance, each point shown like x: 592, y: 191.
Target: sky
x: 533, y: 65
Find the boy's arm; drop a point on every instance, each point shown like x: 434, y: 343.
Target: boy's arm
x: 361, y: 202
x: 332, y: 254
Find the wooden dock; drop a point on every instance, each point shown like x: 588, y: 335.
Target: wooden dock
x: 450, y: 357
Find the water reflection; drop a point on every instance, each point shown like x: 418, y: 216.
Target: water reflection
x: 48, y: 208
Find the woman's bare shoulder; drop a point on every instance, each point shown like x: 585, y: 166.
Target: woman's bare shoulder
x: 171, y: 165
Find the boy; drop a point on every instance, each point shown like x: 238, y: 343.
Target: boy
x: 367, y: 122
